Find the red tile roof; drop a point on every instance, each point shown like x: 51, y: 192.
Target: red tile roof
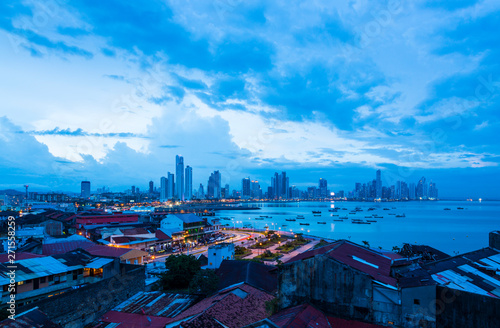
x: 376, y: 265
x: 301, y: 316
x: 107, y: 251
x: 64, y: 247
x: 234, y: 307
x: 133, y: 320
x: 19, y: 256
x: 342, y: 323
x: 161, y: 235
x: 313, y: 252
x: 371, y: 262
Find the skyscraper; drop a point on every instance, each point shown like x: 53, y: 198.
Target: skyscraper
x: 170, y: 186
x: 245, y: 188
x: 188, y: 191
x: 214, y: 185
x: 201, y: 192
x: 378, y: 185
x: 85, y: 189
x: 323, y: 187
x: 421, y: 191
x: 411, y: 191
x: 179, y: 182
x: 163, y: 189
x: 151, y: 187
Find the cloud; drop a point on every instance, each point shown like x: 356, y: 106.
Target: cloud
x: 105, y: 87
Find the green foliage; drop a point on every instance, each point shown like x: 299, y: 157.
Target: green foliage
x: 239, y: 250
x: 180, y: 271
x: 396, y: 249
x: 4, y: 314
x: 366, y: 243
x: 267, y: 253
x: 272, y: 306
x: 204, y: 283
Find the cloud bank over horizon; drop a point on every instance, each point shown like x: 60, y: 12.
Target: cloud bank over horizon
x: 112, y: 91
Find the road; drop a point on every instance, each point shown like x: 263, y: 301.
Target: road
x: 240, y: 237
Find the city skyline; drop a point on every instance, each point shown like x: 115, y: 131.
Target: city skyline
x: 250, y: 89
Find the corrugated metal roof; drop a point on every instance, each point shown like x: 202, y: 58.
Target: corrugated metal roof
x: 157, y: 304
x: 188, y: 218
x: 474, y: 272
x: 98, y: 263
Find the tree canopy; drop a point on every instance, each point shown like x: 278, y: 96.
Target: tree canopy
x: 180, y: 271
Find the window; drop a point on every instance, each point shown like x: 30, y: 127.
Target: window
x: 416, y: 301
x: 42, y: 280
x: 51, y: 278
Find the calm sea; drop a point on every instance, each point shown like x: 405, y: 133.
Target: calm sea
x: 452, y: 231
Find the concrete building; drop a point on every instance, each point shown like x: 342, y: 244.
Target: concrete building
x: 41, y: 277
x: 85, y: 189
x: 218, y: 253
x: 185, y: 227
x: 179, y: 172
x: 188, y: 191
x: 354, y: 282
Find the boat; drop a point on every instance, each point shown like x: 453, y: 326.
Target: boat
x: 332, y: 210
x: 371, y: 220
x: 339, y: 220
x: 447, y: 209
x: 401, y: 215
x: 316, y: 212
x: 300, y: 217
x: 259, y: 218
x: 289, y: 219
x: 304, y: 223
x: 368, y: 217
x: 378, y: 217
x: 386, y: 209
x: 284, y: 225
x: 344, y: 209
x: 321, y: 222
x: 263, y: 216
x: 226, y: 219
x: 371, y: 209
x: 335, y: 215
x: 344, y: 217
x: 460, y: 208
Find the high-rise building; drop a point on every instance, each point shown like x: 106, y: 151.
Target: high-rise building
x: 163, y: 189
x: 245, y: 188
x: 201, y: 192
x: 188, y: 191
x: 255, y: 191
x: 421, y: 191
x: 378, y: 185
x: 179, y: 183
x: 214, y: 185
x: 412, y: 191
x: 133, y: 190
x: 170, y: 186
x: 85, y: 189
x: 323, y: 188
x: 151, y: 187
x: 433, y: 191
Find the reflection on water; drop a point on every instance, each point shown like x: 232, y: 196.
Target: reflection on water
x: 464, y: 227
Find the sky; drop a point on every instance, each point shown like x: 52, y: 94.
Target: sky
x: 111, y: 91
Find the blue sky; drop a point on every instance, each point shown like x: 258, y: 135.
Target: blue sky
x: 111, y: 91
